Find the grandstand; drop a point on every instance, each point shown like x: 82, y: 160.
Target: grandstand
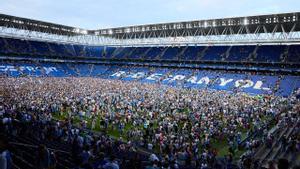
x: 277, y: 52
x: 254, y: 55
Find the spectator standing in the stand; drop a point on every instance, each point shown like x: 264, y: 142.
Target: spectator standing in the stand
x: 5, y: 156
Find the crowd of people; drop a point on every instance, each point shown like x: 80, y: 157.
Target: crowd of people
x: 179, y: 127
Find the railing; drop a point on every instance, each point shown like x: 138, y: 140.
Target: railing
x: 33, y: 146
x: 279, y: 151
x: 276, y: 147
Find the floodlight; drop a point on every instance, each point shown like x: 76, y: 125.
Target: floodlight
x: 214, y: 23
x: 85, y: 32
x: 246, y: 21
x: 76, y: 30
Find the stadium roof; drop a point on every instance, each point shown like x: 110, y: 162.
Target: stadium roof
x: 9, y: 21
x: 285, y: 22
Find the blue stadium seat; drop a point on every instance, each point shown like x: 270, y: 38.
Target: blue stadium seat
x: 264, y: 53
x: 240, y: 53
x: 170, y: 53
x: 192, y: 52
x: 293, y: 54
x: 154, y: 52
x: 215, y: 53
x: 269, y: 53
x: 138, y: 53
x: 108, y: 51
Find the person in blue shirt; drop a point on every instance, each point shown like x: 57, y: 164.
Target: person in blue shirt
x: 111, y: 164
x: 5, y: 155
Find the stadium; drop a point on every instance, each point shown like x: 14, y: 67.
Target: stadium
x: 210, y: 94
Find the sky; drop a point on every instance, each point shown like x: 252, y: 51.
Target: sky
x: 99, y: 14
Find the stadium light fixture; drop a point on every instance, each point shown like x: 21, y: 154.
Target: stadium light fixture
x: 80, y: 31
x: 246, y: 21
x: 76, y: 30
x: 85, y: 32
